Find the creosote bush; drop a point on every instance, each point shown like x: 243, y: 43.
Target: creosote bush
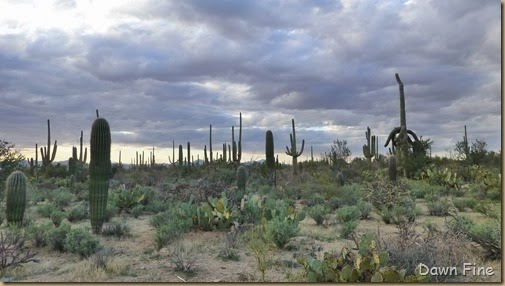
x: 81, y: 241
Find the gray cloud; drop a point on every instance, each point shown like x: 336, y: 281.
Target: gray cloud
x: 163, y: 71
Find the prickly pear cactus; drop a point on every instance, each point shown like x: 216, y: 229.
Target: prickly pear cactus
x: 100, y: 172
x: 241, y: 177
x: 15, y: 197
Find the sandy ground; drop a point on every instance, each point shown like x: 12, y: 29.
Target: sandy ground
x: 141, y: 263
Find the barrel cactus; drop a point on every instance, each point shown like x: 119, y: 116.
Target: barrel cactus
x: 100, y: 172
x: 241, y: 177
x: 392, y: 168
x: 15, y: 197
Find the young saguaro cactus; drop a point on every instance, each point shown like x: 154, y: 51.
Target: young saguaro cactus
x: 269, y: 150
x: 45, y: 152
x: 15, y: 197
x: 100, y: 171
x: 370, y: 147
x: 241, y: 177
x: 292, y: 151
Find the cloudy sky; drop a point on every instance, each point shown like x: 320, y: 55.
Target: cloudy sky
x: 163, y: 71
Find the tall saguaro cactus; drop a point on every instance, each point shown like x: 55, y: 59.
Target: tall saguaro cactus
x: 403, y: 137
x: 292, y: 151
x: 100, y: 172
x: 45, y: 152
x: 15, y: 186
x: 237, y: 146
x: 466, y: 147
x: 269, y: 150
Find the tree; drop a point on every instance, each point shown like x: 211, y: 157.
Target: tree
x: 478, y: 152
x: 10, y: 160
x: 339, y: 153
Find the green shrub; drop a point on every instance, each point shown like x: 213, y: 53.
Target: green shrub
x: 280, y: 230
x: 57, y: 236
x: 348, y: 213
x: 463, y: 204
x: 364, y: 208
x: 319, y: 213
x: 62, y: 197
x: 228, y: 249
x: 334, y: 203
x: 137, y: 210
x: 77, y: 212
x: 156, y: 207
x: 488, y: 235
x: 315, y: 199
x: 170, y: 230
x: 82, y: 242
x: 46, y: 209
x: 439, y: 207
x: 57, y: 216
x: 39, y: 233
x: 347, y: 228
x: 350, y: 195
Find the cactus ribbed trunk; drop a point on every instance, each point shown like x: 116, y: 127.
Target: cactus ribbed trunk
x: 403, y: 138
x: 269, y: 150
x: 100, y: 172
x: 292, y: 152
x: 15, y: 186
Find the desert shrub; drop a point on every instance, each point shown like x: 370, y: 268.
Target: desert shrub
x: 77, y: 212
x: 315, y: 199
x: 170, y: 230
x: 488, y: 235
x: 137, y: 211
x: 489, y: 209
x: 347, y: 228
x: 81, y: 241
x: 156, y: 206
x: 13, y: 252
x: 46, y: 209
x: 229, y: 246
x: 436, y: 248
x: 419, y: 188
x: 124, y: 199
x: 334, y: 203
x: 280, y: 230
x: 184, y: 255
x: 463, y: 204
x: 38, y: 233
x: 226, y: 175
x: 459, y: 225
x: 349, y: 195
x: 364, y: 208
x: 319, y: 213
x: 62, y: 197
x: 440, y: 207
x: 117, y: 229
x: 57, y: 236
x: 101, y: 258
x: 348, y: 213
x: 58, y: 216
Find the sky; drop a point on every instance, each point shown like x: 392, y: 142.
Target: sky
x: 163, y: 71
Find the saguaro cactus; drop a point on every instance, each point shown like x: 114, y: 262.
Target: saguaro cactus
x: 241, y: 177
x: 15, y: 197
x: 292, y: 151
x: 237, y: 146
x: 466, y: 147
x: 403, y: 144
x: 100, y: 172
x: 181, y: 156
x: 269, y: 150
x: 369, y: 150
x: 45, y: 151
x: 392, y: 168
